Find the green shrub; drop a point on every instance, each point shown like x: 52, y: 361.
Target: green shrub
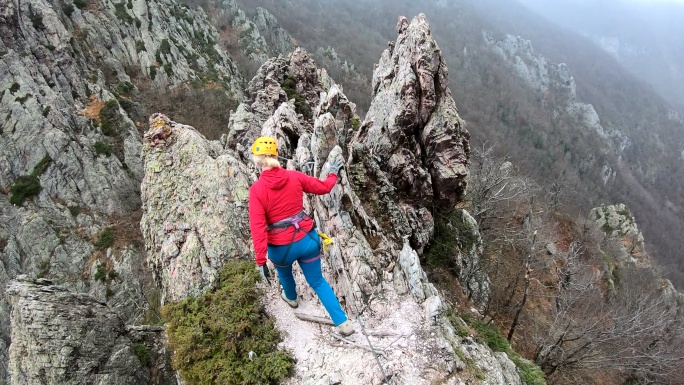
x: 489, y: 335
x: 44, y: 269
x: 23, y: 98
x: 140, y: 46
x: 37, y: 21
x: 109, y: 118
x: 301, y: 105
x: 153, y: 72
x: 213, y: 334
x: 40, y: 168
x: 121, y: 14
x: 124, y: 88
x: 80, y: 4
x: 168, y: 68
x: 356, y: 122
x: 100, y: 273
x: 451, y: 235
x: 102, y: 148
x: 27, y: 186
x: 68, y: 9
x: 74, y: 210
x: 140, y: 351
x: 444, y: 245
x: 165, y: 47
x: 46, y: 111
x: 14, y: 88
x: 106, y: 239
x: 530, y: 373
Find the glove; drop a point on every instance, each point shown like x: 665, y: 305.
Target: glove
x: 336, y: 164
x: 265, y: 274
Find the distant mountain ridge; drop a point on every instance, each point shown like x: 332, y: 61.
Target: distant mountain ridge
x: 646, y: 37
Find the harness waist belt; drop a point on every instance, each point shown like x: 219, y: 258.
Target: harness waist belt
x: 293, y: 220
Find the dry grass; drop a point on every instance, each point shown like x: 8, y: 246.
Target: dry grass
x: 93, y: 109
x: 126, y: 230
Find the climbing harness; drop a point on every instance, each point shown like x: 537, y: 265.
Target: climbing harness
x: 294, y: 221
x: 324, y: 242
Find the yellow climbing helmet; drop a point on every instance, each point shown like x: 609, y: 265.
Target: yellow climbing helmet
x: 265, y: 146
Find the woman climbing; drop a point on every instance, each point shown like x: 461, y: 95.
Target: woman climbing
x: 280, y: 227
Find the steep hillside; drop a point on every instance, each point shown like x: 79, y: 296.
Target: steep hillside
x: 646, y: 37
x: 634, y: 157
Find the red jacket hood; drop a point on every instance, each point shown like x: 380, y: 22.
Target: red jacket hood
x: 275, y: 178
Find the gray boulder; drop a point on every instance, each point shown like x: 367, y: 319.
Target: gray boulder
x: 60, y: 337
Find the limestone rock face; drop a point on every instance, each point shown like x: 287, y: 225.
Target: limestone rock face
x: 279, y: 39
x: 618, y: 222
x: 60, y: 337
x: 261, y: 37
x: 329, y: 58
x: 265, y: 94
x: 68, y: 124
x: 548, y: 78
x: 195, y: 208
x: 474, y: 281
x: 412, y: 147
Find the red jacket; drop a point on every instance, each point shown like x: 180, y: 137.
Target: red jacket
x: 278, y: 194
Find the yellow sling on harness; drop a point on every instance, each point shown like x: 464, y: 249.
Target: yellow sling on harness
x: 326, y: 240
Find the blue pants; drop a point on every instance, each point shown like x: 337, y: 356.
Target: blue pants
x: 307, y: 252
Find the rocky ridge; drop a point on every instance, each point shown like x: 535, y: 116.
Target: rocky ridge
x: 618, y: 222
x: 547, y: 78
x: 261, y: 37
x: 375, y: 271
x: 115, y: 45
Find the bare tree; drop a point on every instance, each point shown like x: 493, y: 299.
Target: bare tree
x: 633, y: 330
x: 494, y: 188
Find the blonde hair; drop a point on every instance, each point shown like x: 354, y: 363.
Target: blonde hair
x: 265, y: 161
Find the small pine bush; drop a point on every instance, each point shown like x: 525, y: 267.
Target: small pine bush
x: 102, y: 148
x: 212, y: 335
x: 106, y: 239
x: 27, y: 186
x: 68, y: 9
x: 80, y: 4
x: 356, y: 122
x: 99, y: 273
x: 289, y: 85
x: 140, y: 351
x: 109, y: 118
x: 74, y: 210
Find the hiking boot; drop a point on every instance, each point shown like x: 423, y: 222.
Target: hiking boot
x: 293, y: 304
x: 345, y: 328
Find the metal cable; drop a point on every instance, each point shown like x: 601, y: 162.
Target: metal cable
x: 344, y: 275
